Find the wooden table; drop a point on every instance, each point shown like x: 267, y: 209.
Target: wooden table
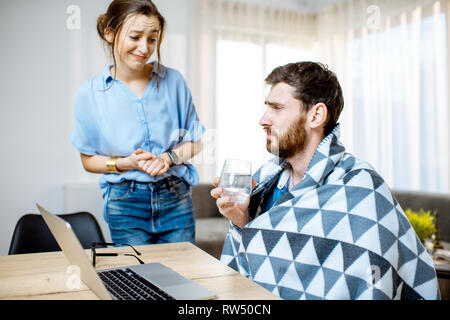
x: 45, y: 275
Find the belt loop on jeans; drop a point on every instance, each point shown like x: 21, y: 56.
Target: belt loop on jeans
x: 132, y: 185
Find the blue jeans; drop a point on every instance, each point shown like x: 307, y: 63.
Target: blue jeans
x: 146, y: 213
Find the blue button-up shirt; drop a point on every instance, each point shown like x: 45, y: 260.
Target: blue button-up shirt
x: 277, y: 192
x: 111, y: 120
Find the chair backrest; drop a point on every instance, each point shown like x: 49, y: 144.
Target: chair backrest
x: 31, y: 234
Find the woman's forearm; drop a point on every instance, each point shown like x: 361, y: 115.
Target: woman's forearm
x: 187, y: 150
x: 97, y: 163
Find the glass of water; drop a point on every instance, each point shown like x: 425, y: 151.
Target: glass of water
x: 236, y: 180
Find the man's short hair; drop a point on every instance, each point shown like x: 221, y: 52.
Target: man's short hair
x: 314, y: 83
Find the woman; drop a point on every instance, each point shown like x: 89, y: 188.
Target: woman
x: 136, y: 124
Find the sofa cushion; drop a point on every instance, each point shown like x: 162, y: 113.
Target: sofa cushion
x: 204, y: 204
x: 210, y: 226
x: 428, y: 201
x: 210, y: 234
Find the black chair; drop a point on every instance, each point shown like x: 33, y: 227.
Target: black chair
x: 31, y: 234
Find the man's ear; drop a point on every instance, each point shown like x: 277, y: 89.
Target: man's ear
x: 318, y: 115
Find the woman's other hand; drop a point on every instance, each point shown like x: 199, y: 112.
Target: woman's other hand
x: 132, y: 161
x: 156, y: 166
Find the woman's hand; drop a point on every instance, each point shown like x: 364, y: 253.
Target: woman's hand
x: 237, y: 213
x: 157, y: 166
x: 132, y: 161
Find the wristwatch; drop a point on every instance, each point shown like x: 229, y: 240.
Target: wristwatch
x: 173, y: 156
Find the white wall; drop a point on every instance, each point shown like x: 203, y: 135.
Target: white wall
x: 42, y: 63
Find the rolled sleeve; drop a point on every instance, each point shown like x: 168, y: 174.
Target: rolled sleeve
x: 84, y: 129
x: 193, y: 129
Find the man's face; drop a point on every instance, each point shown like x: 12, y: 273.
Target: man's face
x: 284, y: 122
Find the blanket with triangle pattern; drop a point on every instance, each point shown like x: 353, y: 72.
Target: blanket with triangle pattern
x: 338, y: 234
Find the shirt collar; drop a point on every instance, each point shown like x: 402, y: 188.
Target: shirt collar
x: 284, y: 178
x: 107, y: 76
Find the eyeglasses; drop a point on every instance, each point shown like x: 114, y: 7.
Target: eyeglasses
x: 94, y: 254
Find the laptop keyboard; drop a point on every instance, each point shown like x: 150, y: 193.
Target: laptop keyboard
x: 128, y: 285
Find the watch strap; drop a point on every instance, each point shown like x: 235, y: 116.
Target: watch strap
x: 173, y: 156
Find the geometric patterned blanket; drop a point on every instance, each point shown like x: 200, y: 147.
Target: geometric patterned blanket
x: 338, y: 234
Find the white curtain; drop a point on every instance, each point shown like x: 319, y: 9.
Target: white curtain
x: 390, y: 57
x: 238, y: 45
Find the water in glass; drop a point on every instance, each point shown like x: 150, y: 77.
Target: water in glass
x: 236, y: 186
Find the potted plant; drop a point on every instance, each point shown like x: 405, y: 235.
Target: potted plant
x: 423, y: 223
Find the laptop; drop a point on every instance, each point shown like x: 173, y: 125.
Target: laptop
x: 150, y: 281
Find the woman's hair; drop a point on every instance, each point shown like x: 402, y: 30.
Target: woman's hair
x: 116, y: 14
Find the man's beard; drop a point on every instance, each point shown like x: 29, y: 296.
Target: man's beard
x: 291, y: 142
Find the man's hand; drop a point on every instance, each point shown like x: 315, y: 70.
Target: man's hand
x: 237, y: 213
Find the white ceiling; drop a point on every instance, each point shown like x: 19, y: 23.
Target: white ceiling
x: 307, y: 6
x: 313, y: 6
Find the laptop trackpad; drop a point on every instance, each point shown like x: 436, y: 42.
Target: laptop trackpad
x: 172, y: 282
x: 159, y: 274
x: 168, y: 280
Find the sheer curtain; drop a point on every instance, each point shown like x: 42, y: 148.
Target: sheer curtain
x: 390, y: 57
x: 238, y: 45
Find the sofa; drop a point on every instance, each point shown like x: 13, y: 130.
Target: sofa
x: 212, y: 227
x: 439, y: 203
x: 435, y: 203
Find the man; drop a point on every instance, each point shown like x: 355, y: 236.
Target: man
x: 320, y: 223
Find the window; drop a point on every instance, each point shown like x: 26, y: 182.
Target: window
x: 240, y: 94
x: 394, y: 79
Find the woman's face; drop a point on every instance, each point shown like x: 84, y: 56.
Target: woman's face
x: 137, y: 40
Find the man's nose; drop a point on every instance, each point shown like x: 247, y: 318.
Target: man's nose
x: 265, y: 121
